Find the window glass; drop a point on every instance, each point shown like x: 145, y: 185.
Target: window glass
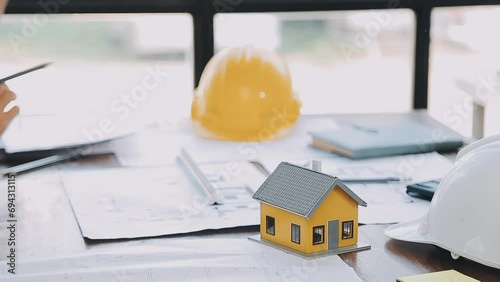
x: 318, y: 235
x: 347, y: 229
x: 270, y: 225
x: 340, y: 61
x: 128, y: 67
x: 295, y: 233
x: 464, y: 61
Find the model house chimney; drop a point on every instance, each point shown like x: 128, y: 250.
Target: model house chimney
x: 316, y: 165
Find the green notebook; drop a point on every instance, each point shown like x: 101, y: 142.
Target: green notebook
x: 377, y: 141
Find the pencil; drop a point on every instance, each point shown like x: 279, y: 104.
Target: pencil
x: 24, y: 72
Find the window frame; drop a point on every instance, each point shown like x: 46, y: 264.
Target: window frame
x: 322, y: 241
x: 203, y: 13
x: 297, y: 229
x: 351, y: 229
x: 268, y: 218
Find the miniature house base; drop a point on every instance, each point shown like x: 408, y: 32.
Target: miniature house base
x: 342, y: 250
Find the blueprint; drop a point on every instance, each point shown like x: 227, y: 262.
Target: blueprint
x: 187, y: 260
x: 153, y: 201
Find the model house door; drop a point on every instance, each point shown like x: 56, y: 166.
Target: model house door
x: 333, y: 234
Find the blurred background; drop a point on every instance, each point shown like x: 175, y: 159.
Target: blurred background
x: 341, y: 62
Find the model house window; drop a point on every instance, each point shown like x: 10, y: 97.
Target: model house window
x: 347, y: 231
x: 270, y: 225
x: 318, y: 235
x: 295, y: 233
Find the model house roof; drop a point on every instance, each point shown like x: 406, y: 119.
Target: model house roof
x: 299, y: 190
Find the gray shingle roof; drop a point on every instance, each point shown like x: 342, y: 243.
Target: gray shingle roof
x: 299, y: 190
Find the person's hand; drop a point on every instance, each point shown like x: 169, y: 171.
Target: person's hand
x: 6, y: 96
x: 3, y: 4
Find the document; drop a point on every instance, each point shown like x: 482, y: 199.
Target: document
x: 184, y: 260
x: 153, y: 201
x: 159, y: 147
x: 49, y: 132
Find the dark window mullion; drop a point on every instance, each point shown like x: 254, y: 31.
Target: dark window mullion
x: 421, y: 62
x: 203, y: 24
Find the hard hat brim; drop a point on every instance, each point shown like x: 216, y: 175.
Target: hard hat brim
x: 408, y: 232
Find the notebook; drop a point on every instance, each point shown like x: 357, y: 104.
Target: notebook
x: 359, y: 142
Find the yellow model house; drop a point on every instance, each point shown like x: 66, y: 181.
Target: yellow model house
x: 307, y: 211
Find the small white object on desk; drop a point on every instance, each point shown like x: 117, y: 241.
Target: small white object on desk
x: 483, y: 89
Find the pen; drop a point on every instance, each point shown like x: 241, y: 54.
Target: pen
x: 376, y: 179
x: 24, y: 72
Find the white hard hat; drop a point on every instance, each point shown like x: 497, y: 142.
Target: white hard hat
x: 463, y: 216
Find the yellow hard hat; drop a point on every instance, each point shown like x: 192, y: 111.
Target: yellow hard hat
x: 245, y: 94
